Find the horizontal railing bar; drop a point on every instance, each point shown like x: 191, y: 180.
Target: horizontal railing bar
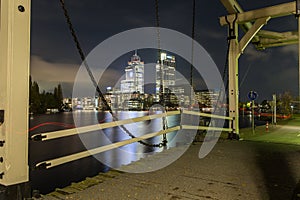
x: 62, y: 160
x: 205, y: 115
x: 206, y: 128
x: 85, y: 129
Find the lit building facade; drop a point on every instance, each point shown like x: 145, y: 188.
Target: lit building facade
x: 134, y: 76
x: 166, y: 92
x: 165, y: 73
x: 207, y: 98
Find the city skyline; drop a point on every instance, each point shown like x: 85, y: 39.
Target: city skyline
x: 129, y: 91
x: 271, y: 71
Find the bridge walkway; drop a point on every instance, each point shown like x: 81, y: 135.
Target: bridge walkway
x: 233, y: 170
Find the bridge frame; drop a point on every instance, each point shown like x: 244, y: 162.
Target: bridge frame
x: 14, y: 98
x: 251, y: 22
x: 14, y: 78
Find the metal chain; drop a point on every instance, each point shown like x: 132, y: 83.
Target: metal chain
x: 225, y: 71
x: 193, y: 37
x: 157, y: 22
x: 82, y: 56
x: 161, y: 87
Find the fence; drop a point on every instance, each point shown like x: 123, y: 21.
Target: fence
x: 86, y: 129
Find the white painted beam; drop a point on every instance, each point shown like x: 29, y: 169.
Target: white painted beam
x: 288, y: 38
x: 280, y: 10
x: 14, y: 90
x: 69, y: 158
x: 270, y: 34
x: 259, y: 23
x: 232, y: 6
x: 86, y: 129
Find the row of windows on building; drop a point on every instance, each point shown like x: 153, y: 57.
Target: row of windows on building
x: 137, y: 101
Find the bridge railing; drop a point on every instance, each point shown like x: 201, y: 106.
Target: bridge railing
x: 87, y: 129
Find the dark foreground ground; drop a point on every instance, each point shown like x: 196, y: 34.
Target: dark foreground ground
x: 234, y: 170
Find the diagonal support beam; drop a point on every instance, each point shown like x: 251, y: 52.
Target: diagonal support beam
x: 287, y: 38
x: 270, y: 34
x: 264, y: 46
x: 259, y: 23
x: 232, y: 6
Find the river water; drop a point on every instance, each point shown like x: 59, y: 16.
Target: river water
x: 47, y: 180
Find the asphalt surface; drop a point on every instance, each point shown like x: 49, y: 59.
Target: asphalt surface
x: 234, y: 170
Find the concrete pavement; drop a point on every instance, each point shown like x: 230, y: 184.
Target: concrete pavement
x: 233, y: 170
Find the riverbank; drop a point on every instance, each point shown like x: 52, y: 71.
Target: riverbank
x: 285, y: 131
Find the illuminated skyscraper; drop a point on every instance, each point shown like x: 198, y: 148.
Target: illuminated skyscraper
x: 134, y: 76
x: 165, y: 73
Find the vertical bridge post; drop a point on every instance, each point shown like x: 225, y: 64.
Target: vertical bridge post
x: 260, y: 38
x: 236, y: 48
x: 14, y: 97
x: 233, y: 90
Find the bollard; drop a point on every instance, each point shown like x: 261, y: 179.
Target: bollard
x: 267, y: 127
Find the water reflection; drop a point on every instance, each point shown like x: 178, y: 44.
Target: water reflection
x: 131, y: 152
x: 75, y: 171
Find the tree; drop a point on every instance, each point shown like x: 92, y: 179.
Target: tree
x: 284, y: 103
x: 40, y: 102
x: 58, y: 96
x: 265, y: 105
x: 34, y: 99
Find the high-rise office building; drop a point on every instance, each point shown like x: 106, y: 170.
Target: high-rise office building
x: 134, y: 76
x: 165, y: 73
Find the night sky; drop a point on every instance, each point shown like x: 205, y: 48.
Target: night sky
x: 54, y: 58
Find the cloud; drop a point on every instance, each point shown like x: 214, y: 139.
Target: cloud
x: 213, y: 34
x: 289, y: 50
x: 49, y: 74
x: 42, y: 70
x: 252, y: 54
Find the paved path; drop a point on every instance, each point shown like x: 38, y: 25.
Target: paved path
x: 234, y: 170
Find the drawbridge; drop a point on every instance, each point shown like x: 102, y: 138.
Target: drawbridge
x: 14, y: 85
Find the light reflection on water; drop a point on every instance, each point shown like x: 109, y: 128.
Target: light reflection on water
x: 75, y: 171
x: 131, y: 152
x: 60, y: 176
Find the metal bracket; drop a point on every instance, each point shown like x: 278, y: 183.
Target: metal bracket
x: 43, y: 165
x: 38, y: 137
x: 1, y: 117
x: 1, y: 175
x: 231, y: 30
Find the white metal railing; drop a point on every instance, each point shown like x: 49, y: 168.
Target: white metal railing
x: 85, y: 129
x: 58, y: 161
x: 64, y: 133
